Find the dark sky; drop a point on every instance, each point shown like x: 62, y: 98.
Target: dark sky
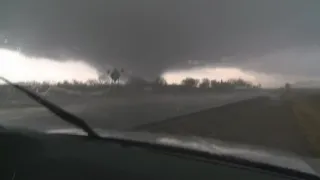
x: 152, y: 36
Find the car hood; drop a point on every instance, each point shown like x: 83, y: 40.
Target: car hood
x: 212, y: 146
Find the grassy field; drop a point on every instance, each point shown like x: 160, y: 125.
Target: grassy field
x: 262, y: 121
x: 306, y: 108
x: 289, y: 122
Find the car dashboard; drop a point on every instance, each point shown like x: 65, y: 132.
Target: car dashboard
x: 34, y: 155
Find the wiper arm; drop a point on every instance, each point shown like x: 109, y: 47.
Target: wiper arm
x: 64, y: 115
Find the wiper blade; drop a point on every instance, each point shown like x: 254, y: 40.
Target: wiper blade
x: 64, y: 115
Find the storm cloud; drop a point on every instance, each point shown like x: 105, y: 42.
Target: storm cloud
x: 149, y: 37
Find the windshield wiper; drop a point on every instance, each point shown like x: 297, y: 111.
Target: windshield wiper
x: 64, y: 115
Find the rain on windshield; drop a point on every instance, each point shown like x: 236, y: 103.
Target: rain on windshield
x: 243, y: 72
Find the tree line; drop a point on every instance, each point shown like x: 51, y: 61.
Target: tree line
x: 158, y: 83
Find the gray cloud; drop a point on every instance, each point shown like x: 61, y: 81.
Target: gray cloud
x: 152, y: 36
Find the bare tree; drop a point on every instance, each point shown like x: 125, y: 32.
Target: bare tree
x: 103, y: 77
x: 190, y: 82
x: 160, y: 81
x: 115, y: 74
x: 287, y: 87
x: 205, y: 83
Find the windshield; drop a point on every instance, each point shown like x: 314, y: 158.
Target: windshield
x: 244, y: 72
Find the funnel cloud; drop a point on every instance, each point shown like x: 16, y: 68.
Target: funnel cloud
x: 150, y: 37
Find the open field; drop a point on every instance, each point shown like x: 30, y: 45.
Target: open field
x: 306, y: 108
x: 120, y: 113
x: 289, y: 122
x: 267, y: 119
x: 260, y: 121
x: 272, y: 120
